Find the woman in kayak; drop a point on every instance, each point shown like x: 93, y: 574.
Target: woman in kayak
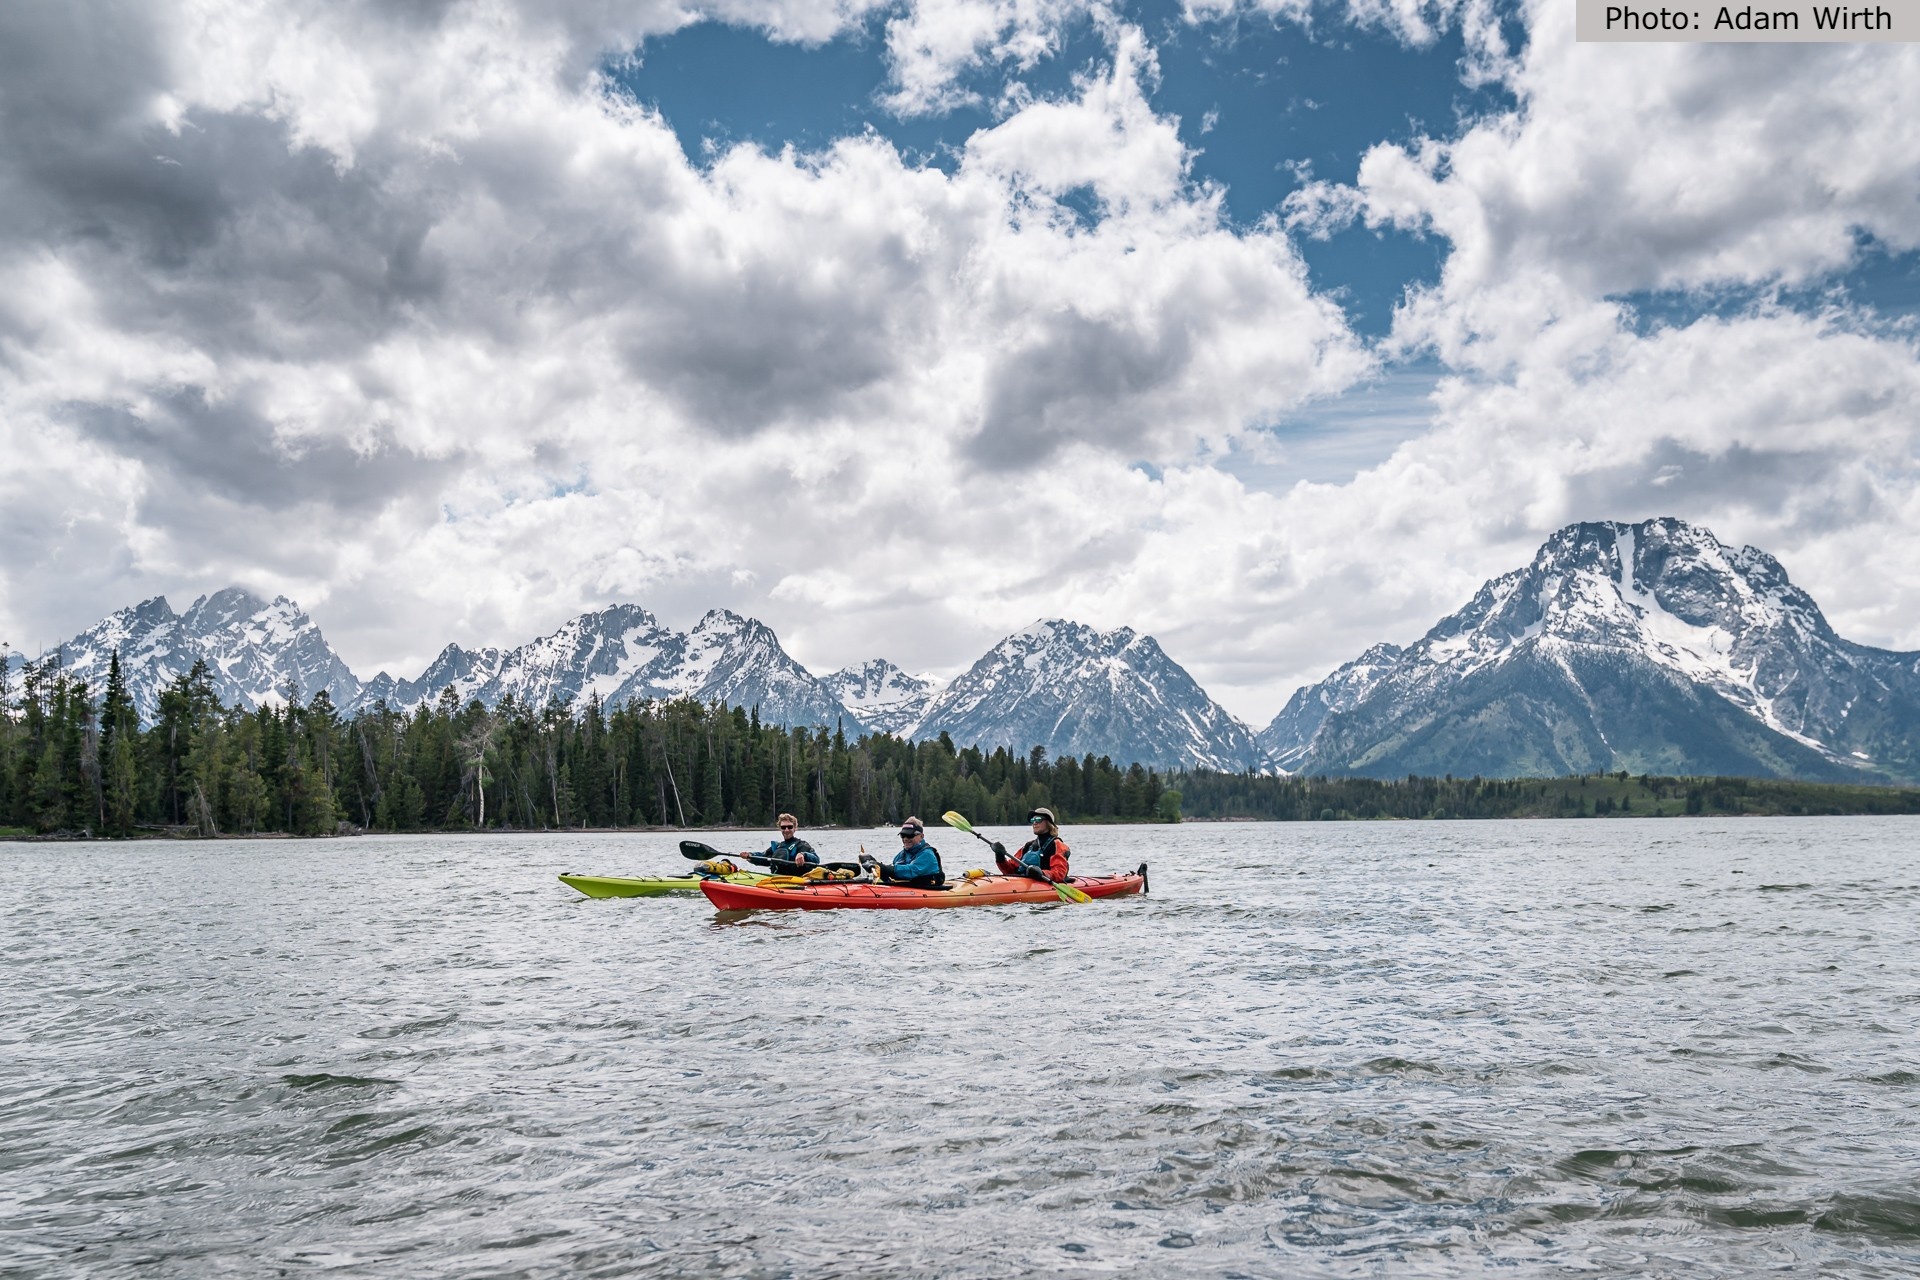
x: 789, y: 855
x: 917, y: 865
x: 1044, y: 857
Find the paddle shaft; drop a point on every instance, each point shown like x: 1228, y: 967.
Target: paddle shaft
x: 694, y: 851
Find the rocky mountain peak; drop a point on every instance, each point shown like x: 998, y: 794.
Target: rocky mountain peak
x: 1289, y: 735
x: 1650, y: 646
x: 255, y: 651
x: 223, y: 609
x: 883, y: 697
x: 1076, y: 690
x: 622, y: 653
x: 149, y: 612
x: 1662, y: 589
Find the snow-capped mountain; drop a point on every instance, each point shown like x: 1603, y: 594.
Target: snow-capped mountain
x: 465, y: 671
x: 599, y: 653
x: 1287, y: 738
x: 885, y: 698
x: 622, y: 653
x: 254, y: 651
x: 1651, y: 647
x: 739, y: 661
x: 1075, y: 690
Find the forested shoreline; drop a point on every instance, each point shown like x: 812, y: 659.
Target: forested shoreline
x: 74, y: 764
x: 1254, y: 797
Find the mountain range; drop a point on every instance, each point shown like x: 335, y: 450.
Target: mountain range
x: 1651, y: 647
x: 621, y: 654
x: 1065, y: 686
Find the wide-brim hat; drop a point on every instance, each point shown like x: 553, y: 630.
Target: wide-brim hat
x: 1044, y: 813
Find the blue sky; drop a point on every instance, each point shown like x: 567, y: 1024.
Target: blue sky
x: 1260, y: 103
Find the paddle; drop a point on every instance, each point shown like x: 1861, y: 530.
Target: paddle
x: 694, y: 851
x: 1066, y: 892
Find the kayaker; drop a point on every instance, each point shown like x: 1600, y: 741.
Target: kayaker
x: 789, y: 855
x: 1044, y: 857
x: 917, y: 865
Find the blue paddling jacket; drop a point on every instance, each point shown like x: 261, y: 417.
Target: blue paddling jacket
x: 917, y: 859
x: 792, y: 849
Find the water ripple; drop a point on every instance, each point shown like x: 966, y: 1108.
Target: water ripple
x: 1622, y: 1047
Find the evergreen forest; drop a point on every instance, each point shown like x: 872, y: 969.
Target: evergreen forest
x: 1593, y: 795
x: 72, y: 762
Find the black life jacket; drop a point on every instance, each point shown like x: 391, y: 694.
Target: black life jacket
x: 1044, y: 847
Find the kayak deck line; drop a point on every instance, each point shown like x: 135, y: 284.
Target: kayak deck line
x: 990, y: 890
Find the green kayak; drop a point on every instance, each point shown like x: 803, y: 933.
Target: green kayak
x: 642, y: 886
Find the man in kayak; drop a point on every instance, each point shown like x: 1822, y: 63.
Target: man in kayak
x: 1044, y: 857
x: 917, y: 865
x: 789, y: 855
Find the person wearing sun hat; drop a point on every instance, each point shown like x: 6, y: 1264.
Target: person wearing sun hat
x: 1044, y: 857
x: 917, y: 865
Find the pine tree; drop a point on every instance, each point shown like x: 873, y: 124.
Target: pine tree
x: 248, y: 798
x: 314, y: 812
x: 122, y: 786
x: 117, y: 714
x: 49, y: 788
x: 711, y: 806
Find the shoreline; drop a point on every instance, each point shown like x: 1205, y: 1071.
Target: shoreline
x: 163, y: 837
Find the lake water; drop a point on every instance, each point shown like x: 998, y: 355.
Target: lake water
x: 1622, y: 1047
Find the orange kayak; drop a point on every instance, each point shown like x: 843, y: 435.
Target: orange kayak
x: 985, y: 892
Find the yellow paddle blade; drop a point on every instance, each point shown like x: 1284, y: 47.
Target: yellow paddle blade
x: 1070, y: 894
x: 957, y: 822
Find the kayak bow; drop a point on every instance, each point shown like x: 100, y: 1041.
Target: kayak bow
x: 640, y: 886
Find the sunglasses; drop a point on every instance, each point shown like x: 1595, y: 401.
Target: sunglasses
x: 908, y: 835
x: 786, y: 826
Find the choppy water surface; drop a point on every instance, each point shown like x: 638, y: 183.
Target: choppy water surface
x: 1625, y: 1047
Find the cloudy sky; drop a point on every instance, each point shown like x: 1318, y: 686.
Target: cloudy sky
x: 1269, y: 327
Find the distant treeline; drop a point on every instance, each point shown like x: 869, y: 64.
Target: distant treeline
x: 1597, y: 795
x: 71, y: 762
